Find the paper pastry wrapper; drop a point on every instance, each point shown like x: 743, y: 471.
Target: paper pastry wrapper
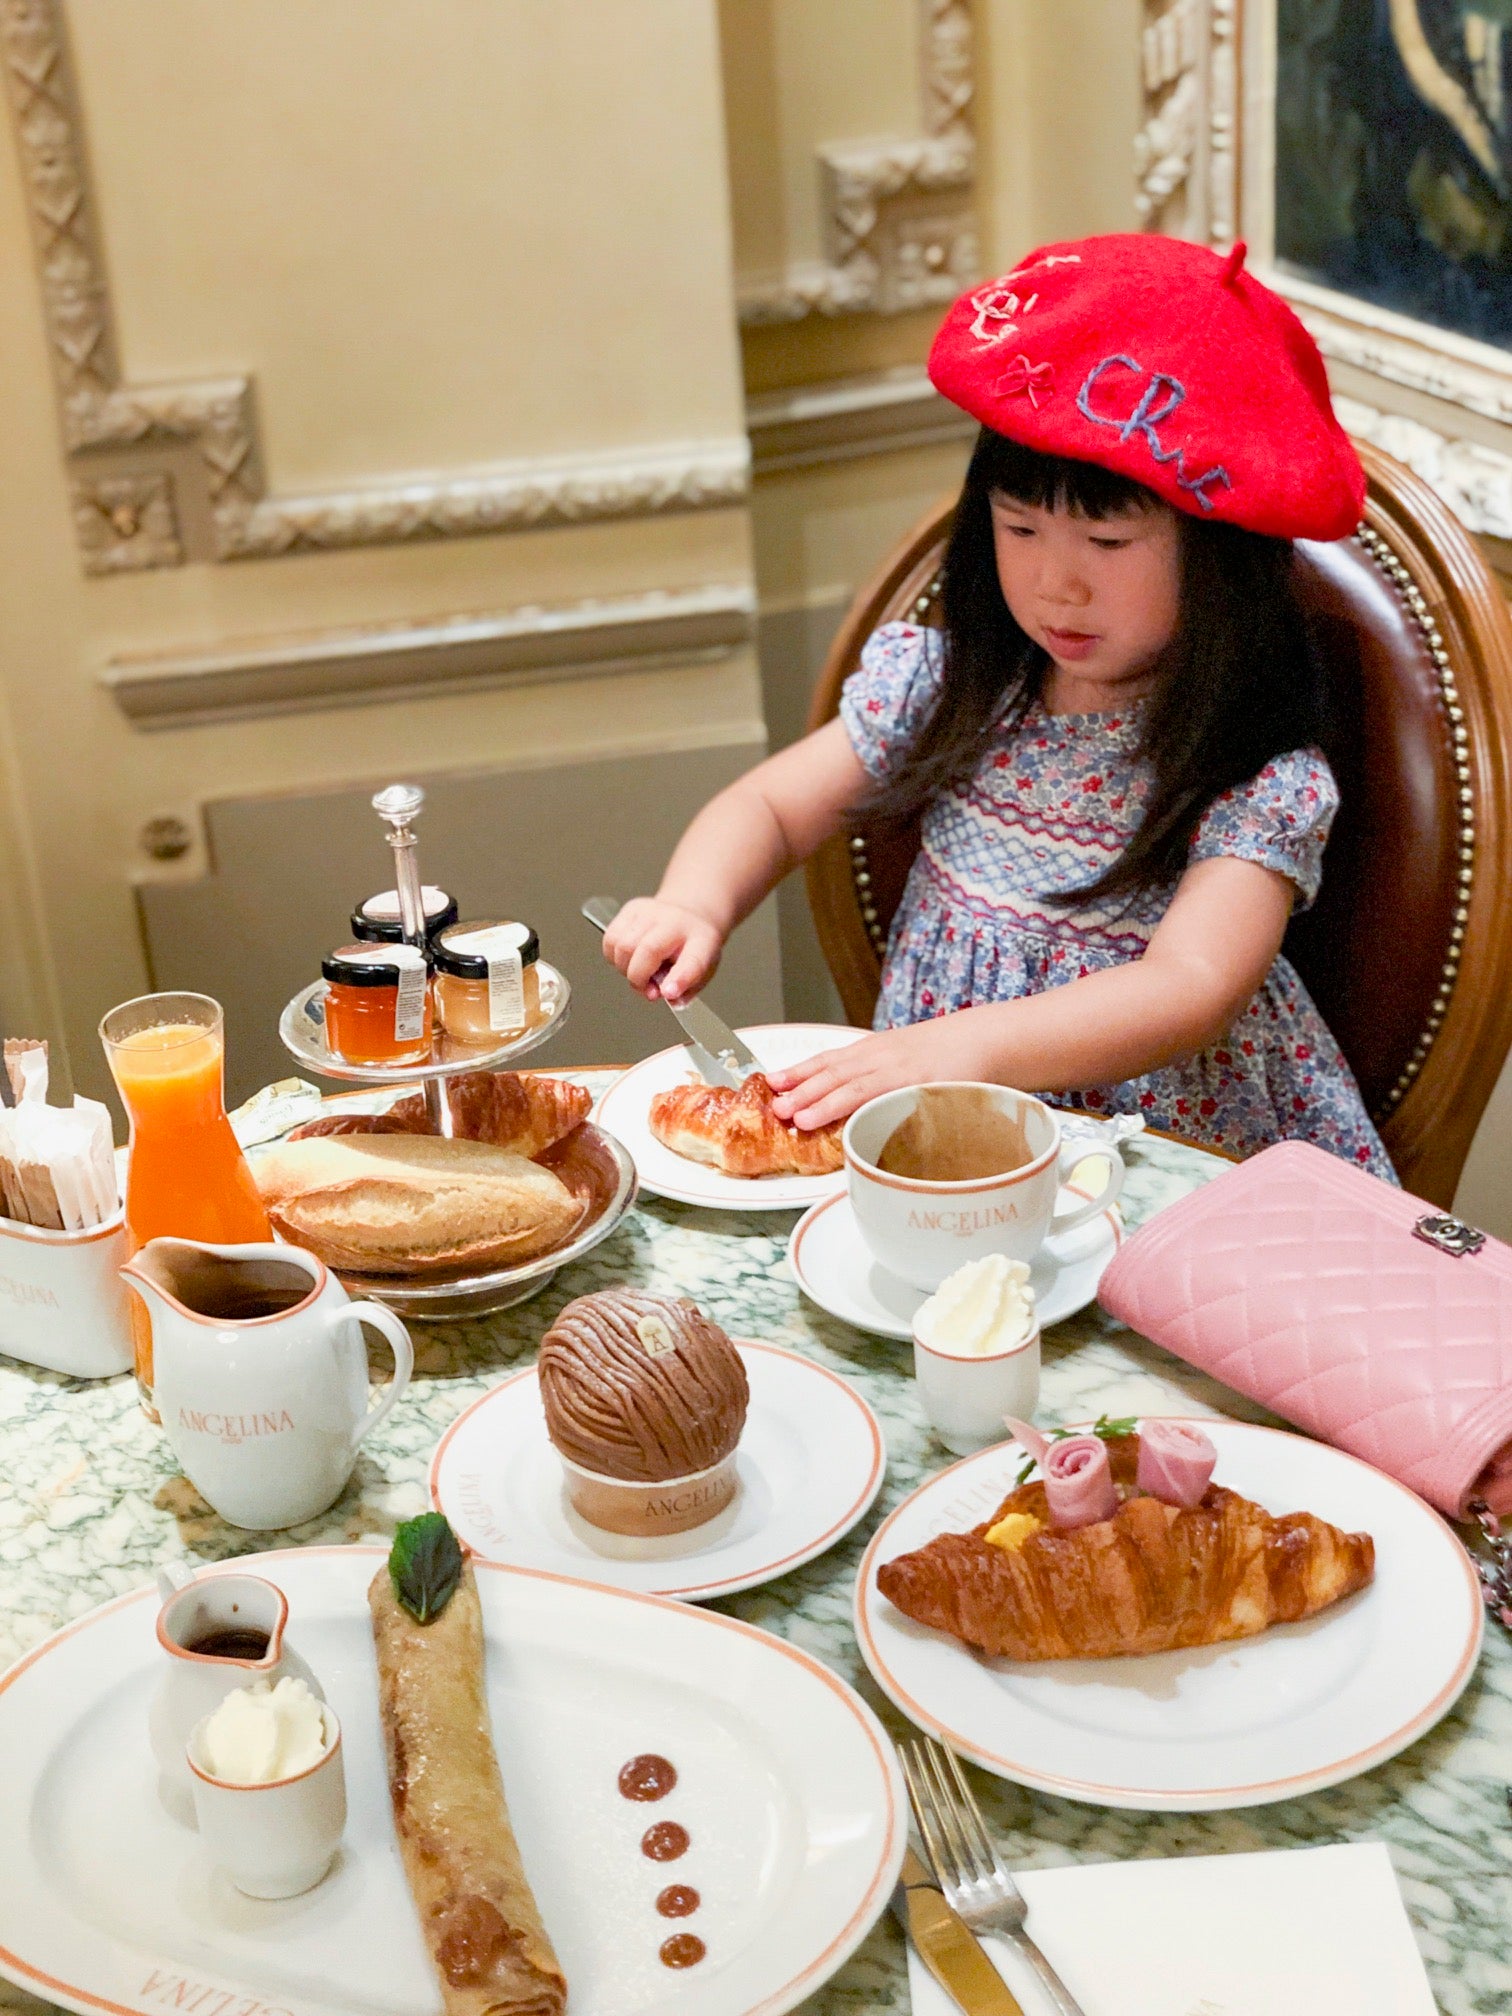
x: 57, y: 1163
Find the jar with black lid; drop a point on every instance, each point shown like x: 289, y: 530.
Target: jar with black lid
x: 488, y: 981
x: 377, y: 920
x: 378, y: 1007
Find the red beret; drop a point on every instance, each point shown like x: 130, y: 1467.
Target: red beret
x: 1165, y: 362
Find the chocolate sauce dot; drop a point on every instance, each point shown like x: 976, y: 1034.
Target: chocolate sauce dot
x: 683, y: 1949
x: 647, y: 1777
x: 678, y: 1900
x: 664, y: 1842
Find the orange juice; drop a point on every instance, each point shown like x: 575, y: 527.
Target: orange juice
x: 187, y: 1177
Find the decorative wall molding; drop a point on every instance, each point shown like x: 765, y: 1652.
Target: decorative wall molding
x: 1473, y: 480
x: 899, y: 222
x: 838, y: 419
x: 192, y: 485
x: 1204, y: 169
x: 1186, y: 162
x: 365, y: 664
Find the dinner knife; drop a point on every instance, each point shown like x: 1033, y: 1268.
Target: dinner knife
x: 947, y: 1945
x: 720, y: 1055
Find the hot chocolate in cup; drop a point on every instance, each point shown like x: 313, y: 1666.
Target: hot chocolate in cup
x: 920, y: 1227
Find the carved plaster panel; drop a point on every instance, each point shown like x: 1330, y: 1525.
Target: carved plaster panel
x: 899, y: 218
x: 1204, y: 169
x: 102, y: 414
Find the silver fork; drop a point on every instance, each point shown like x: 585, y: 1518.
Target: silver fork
x: 966, y: 1865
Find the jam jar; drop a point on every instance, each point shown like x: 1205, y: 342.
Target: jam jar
x: 378, y: 1007
x: 488, y: 981
x: 378, y: 918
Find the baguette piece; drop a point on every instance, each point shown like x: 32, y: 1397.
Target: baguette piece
x: 484, y: 1933
x: 401, y: 1204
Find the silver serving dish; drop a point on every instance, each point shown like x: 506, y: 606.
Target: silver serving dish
x: 590, y: 1162
x: 302, y: 1028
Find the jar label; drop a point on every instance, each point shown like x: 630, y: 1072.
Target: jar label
x: 506, y: 991
x: 409, y: 1003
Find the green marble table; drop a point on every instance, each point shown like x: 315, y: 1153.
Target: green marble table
x: 92, y: 1502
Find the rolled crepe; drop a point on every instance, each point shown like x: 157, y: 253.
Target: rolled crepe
x: 1079, y: 1487
x: 1175, y: 1462
x: 480, y: 1921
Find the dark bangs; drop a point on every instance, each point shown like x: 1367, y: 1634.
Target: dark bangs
x: 1004, y: 468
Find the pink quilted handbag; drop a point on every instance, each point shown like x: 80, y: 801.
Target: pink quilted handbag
x: 1364, y: 1315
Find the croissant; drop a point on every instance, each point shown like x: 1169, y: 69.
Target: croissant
x: 736, y: 1129
x: 1153, y: 1578
x: 525, y: 1115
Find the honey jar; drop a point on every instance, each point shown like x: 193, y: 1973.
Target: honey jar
x: 377, y: 920
x: 488, y: 982
x: 378, y: 1003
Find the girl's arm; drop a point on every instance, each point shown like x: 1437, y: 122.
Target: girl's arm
x: 1209, y: 954
x: 733, y: 854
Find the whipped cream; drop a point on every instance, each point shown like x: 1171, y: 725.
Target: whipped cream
x: 262, y: 1733
x: 984, y: 1308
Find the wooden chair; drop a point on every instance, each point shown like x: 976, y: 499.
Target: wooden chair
x: 1408, y: 950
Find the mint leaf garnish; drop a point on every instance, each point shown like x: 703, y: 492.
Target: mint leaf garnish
x: 425, y: 1566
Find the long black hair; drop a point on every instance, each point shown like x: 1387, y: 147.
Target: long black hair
x: 1241, y: 681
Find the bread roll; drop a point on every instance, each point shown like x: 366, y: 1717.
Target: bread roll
x: 400, y: 1204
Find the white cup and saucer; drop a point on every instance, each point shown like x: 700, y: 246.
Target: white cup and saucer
x: 873, y: 1256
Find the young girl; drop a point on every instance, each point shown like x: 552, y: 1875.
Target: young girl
x: 1113, y: 738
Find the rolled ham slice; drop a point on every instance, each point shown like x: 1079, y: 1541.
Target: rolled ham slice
x: 1027, y: 1437
x: 1078, y: 1482
x: 1175, y: 1462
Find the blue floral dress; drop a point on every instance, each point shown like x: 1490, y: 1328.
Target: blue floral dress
x: 1054, y: 801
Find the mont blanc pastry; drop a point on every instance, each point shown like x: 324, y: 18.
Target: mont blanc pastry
x: 645, y: 1400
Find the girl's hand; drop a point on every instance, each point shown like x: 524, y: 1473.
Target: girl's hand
x: 832, y: 1085
x: 665, y: 951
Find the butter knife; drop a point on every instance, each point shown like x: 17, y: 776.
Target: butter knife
x: 947, y: 1945
x: 718, y: 1053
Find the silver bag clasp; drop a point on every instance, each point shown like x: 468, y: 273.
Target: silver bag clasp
x: 1450, y: 1235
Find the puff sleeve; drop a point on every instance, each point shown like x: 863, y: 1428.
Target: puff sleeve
x: 1279, y: 819
x: 888, y: 700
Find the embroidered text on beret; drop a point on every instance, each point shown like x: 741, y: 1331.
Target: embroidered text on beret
x: 1165, y: 362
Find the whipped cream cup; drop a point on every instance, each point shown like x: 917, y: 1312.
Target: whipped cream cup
x: 651, y: 1511
x: 277, y: 1839
x: 977, y: 1353
x: 921, y: 1231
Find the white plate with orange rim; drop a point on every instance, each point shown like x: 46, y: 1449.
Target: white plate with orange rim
x: 835, y: 1267
x: 786, y: 1785
x: 1245, y: 1723
x: 624, y: 1108
x: 810, y: 1463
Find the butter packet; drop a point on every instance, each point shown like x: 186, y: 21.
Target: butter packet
x: 272, y: 1112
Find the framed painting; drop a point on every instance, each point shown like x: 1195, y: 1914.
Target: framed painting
x: 1363, y: 148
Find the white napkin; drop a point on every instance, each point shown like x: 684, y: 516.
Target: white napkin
x: 1299, y: 1932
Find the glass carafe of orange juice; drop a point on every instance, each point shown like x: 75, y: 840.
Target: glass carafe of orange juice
x: 186, y: 1177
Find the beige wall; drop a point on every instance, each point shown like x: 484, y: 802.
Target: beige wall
x: 443, y: 242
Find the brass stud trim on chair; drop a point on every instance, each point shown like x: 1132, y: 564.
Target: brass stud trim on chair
x: 860, y: 866
x: 1417, y: 606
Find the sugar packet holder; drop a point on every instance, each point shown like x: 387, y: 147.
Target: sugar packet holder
x: 1364, y: 1315
x: 63, y: 1304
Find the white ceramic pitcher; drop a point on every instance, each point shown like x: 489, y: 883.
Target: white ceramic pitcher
x: 202, y: 1619
x: 260, y: 1374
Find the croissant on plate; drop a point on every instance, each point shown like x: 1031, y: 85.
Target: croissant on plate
x: 525, y: 1115
x: 1153, y: 1578
x: 735, y: 1128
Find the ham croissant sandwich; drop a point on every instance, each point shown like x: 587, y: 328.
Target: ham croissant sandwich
x: 737, y: 1130
x: 1125, y: 1546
